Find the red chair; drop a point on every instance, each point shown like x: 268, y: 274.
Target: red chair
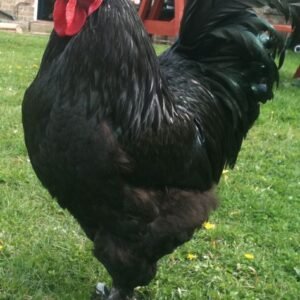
x: 150, y: 12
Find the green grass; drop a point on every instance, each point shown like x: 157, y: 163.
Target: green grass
x: 44, y: 254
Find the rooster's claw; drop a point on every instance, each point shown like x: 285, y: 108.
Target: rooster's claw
x: 102, y: 292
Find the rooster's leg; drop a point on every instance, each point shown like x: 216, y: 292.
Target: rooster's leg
x: 126, y: 263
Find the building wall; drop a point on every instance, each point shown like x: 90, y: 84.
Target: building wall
x: 21, y: 10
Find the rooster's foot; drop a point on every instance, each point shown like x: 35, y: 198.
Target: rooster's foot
x: 101, y: 293
x: 104, y: 293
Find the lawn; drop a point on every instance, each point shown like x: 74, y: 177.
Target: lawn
x: 250, y: 251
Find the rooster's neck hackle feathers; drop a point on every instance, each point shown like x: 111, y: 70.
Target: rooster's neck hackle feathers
x: 115, y: 53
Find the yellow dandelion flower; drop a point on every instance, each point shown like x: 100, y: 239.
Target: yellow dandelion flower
x: 209, y: 226
x: 1, y: 248
x: 191, y: 256
x: 249, y: 256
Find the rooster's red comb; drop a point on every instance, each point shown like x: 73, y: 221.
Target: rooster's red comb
x: 70, y: 15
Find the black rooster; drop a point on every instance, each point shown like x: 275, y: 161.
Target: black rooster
x: 133, y: 145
